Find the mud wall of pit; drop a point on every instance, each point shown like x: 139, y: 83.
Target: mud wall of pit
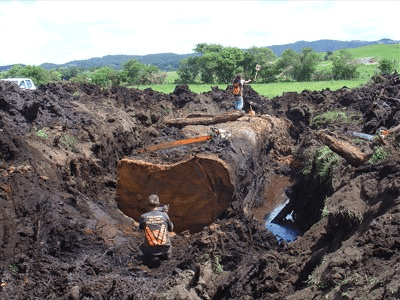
x: 208, y: 177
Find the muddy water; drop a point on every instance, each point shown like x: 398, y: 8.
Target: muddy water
x: 275, y: 200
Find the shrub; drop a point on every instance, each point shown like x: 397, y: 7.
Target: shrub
x: 344, y: 66
x: 322, y: 75
x: 387, y: 66
x: 81, y: 78
x: 105, y: 77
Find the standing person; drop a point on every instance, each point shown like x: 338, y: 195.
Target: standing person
x: 156, y: 225
x: 238, y: 84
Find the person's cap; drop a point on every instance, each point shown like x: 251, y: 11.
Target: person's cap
x: 153, y: 200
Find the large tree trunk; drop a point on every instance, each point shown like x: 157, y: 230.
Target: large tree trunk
x: 209, y: 176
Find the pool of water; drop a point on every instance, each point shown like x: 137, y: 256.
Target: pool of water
x: 282, y: 232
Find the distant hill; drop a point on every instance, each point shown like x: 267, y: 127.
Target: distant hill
x: 5, y: 68
x: 170, y: 61
x: 165, y: 61
x: 327, y: 45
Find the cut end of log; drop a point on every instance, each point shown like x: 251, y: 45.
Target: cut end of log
x: 197, y: 190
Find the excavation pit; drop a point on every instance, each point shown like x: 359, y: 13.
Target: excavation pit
x: 205, y: 178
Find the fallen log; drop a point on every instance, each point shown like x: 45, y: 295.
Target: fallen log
x: 205, y: 120
x: 352, y: 154
x: 204, y: 179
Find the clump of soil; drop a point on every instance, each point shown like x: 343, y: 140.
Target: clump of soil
x: 63, y: 236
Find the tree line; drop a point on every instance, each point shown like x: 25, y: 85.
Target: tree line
x: 218, y: 64
x: 213, y: 64
x: 132, y: 73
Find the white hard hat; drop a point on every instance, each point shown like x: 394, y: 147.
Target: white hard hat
x: 153, y: 200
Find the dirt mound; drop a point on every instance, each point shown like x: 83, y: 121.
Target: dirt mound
x: 62, y: 234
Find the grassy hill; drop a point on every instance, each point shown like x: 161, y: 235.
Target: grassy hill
x: 327, y: 45
x: 377, y: 51
x: 369, y: 57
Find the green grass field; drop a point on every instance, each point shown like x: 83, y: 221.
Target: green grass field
x: 272, y: 90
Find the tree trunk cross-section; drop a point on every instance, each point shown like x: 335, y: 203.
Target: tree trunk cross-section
x: 198, y: 188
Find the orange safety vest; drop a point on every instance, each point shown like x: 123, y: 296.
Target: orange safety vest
x: 236, y: 88
x: 156, y: 237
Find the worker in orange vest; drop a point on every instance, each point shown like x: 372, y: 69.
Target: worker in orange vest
x: 156, y: 225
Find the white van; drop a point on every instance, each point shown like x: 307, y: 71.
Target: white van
x: 23, y: 83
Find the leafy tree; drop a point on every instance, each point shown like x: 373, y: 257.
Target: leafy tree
x: 204, y: 48
x: 208, y: 65
x: 307, y: 63
x: 387, y: 66
x: 288, y: 58
x: 105, y: 77
x: 37, y: 74
x: 344, y: 66
x: 227, y: 62
x: 188, y: 70
x: 298, y: 66
x: 115, y: 77
x: 207, y: 62
x: 247, y: 64
x: 68, y: 73
x: 130, y: 72
x: 150, y: 74
x: 285, y: 65
x: 14, y: 72
x: 134, y: 72
x: 220, y: 64
x: 328, y: 55
x: 53, y: 75
x: 263, y: 57
x: 217, y: 63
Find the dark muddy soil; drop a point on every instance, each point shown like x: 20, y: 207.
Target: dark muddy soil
x: 62, y: 235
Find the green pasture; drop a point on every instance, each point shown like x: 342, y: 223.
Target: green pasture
x: 377, y: 51
x: 272, y: 90
x: 268, y: 90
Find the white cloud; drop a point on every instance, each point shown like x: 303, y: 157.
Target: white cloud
x: 73, y: 30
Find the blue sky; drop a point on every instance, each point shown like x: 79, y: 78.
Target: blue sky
x: 36, y: 32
